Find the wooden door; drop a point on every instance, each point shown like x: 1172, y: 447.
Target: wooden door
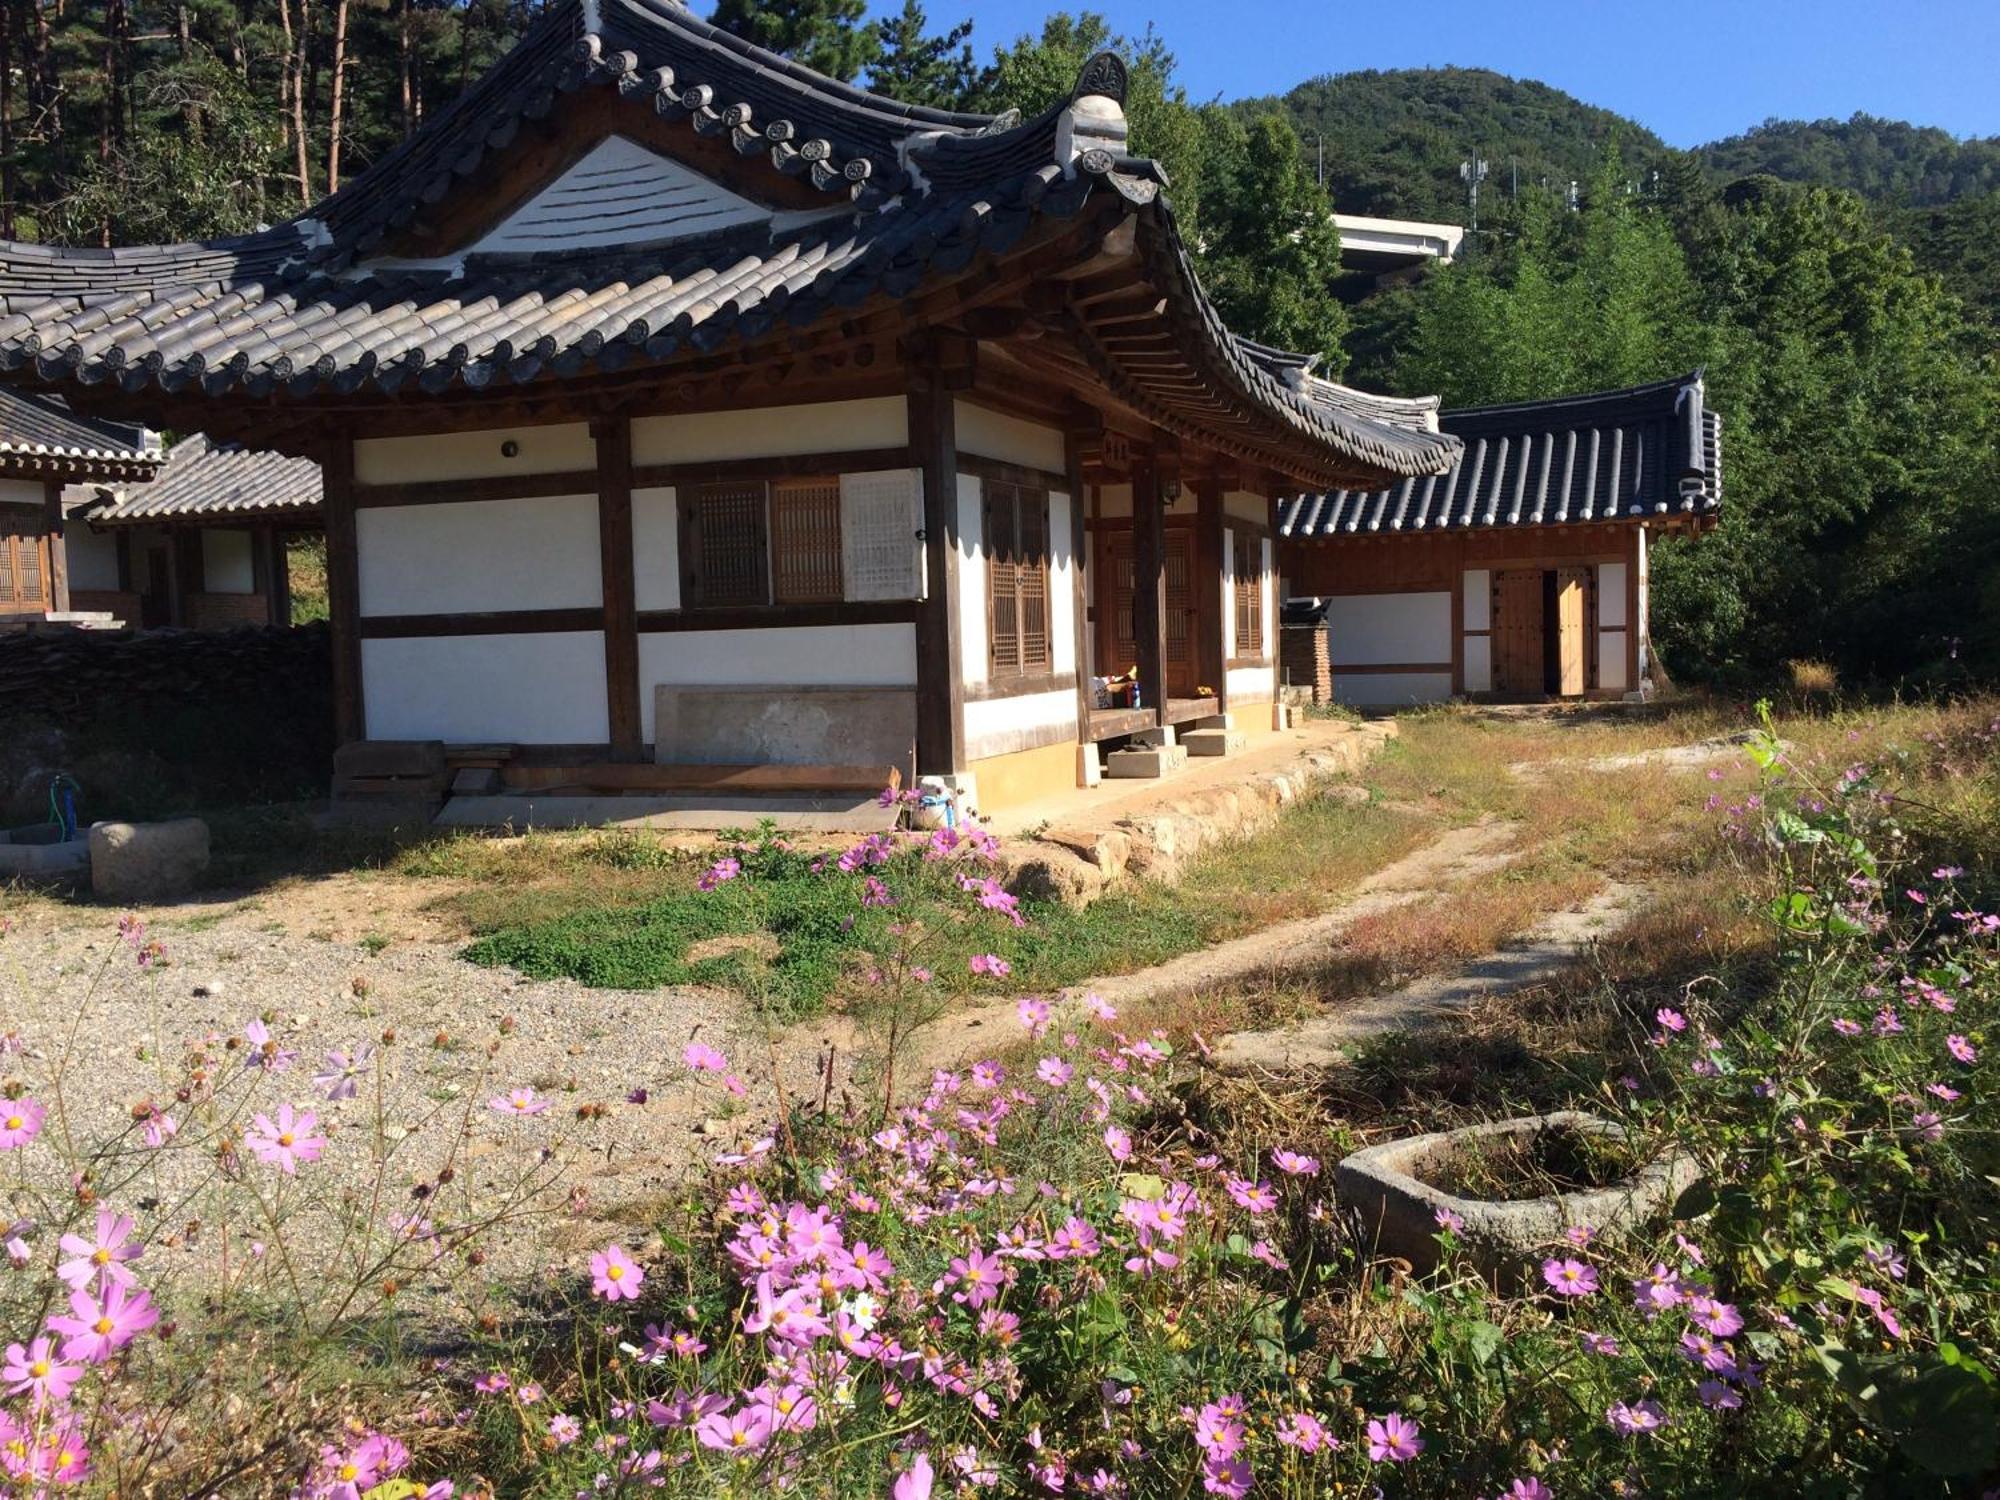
x: 24, y: 564
x: 1117, y: 645
x: 1181, y: 623
x: 1117, y: 649
x: 1517, y: 633
x: 1571, y: 654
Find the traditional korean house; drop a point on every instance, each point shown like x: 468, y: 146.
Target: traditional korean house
x: 678, y: 407
x: 201, y: 544
x: 44, y: 447
x: 1518, y: 574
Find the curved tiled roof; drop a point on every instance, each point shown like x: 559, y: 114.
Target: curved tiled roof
x: 44, y: 432
x: 204, y: 480
x: 1645, y: 453
x: 313, y: 310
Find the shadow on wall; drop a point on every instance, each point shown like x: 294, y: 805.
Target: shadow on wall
x: 161, y: 722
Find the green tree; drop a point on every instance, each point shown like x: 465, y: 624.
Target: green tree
x: 919, y: 68
x: 828, y: 36
x: 1272, y: 253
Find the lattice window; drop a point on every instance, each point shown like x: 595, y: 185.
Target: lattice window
x: 1249, y: 549
x: 724, y: 553
x: 1017, y: 573
x: 23, y: 577
x: 881, y: 514
x: 805, y: 541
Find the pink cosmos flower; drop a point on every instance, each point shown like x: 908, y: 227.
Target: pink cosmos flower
x: 1670, y: 1019
x: 1099, y: 1007
x: 1448, y: 1221
x: 914, y: 1483
x: 101, y: 1258
x: 990, y: 964
x: 742, y: 1431
x: 1076, y: 1239
x: 1719, y: 1318
x: 1579, y: 1235
x: 1228, y: 1477
x: 1601, y: 1343
x: 1054, y: 1072
x: 1257, y: 1197
x: 1294, y: 1165
x: 1528, y: 1487
x: 20, y: 1122
x: 1394, y: 1439
x: 1569, y: 1278
x: 493, y: 1382
x: 1217, y: 1432
x: 564, y: 1429
x: 1942, y: 1091
x: 1118, y: 1143
x: 1034, y: 1014
x: 1961, y: 1049
x: 1305, y: 1432
x: 1633, y: 1420
x: 1657, y: 1291
x: 98, y: 1328
x: 264, y: 1051
x: 1873, y: 1300
x: 61, y: 1457
x: 159, y: 1127
x: 342, y: 1075
x: 614, y: 1275
x: 1263, y: 1251
x: 722, y: 870
x: 521, y: 1101
x: 979, y: 1278
x: 37, y: 1373
x: 1846, y: 1027
x: 287, y: 1142
x: 703, y: 1058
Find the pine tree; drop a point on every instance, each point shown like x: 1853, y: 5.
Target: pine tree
x: 919, y: 68
x: 828, y: 36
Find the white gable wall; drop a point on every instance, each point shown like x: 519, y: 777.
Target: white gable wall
x: 620, y: 193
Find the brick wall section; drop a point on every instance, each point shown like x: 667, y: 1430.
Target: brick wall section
x: 1305, y: 662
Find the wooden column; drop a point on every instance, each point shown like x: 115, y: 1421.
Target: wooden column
x: 940, y: 679
x: 183, y: 562
x: 281, y: 581
x: 343, y: 590
x: 1149, y: 582
x: 58, y: 548
x: 260, y: 566
x: 123, y: 544
x: 613, y: 438
x: 1211, y: 665
x: 1079, y: 542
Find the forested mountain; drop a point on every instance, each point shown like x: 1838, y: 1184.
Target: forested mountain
x: 1888, y: 161
x: 1394, y: 140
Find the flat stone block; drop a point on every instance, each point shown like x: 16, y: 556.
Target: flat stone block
x: 38, y: 853
x: 1214, y: 741
x: 146, y: 861
x: 1145, y: 763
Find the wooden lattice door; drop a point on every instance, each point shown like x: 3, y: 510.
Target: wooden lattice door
x: 1180, y: 621
x: 1118, y: 646
x: 1517, y: 633
x: 24, y: 565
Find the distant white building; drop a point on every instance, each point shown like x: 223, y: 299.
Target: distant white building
x: 1395, y: 249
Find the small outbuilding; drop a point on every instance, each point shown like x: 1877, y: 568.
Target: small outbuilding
x: 1518, y: 574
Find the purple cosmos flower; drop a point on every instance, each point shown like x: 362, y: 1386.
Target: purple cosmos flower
x: 285, y: 1142
x: 1569, y: 1277
x: 1961, y: 1049
x: 614, y: 1276
x: 1394, y: 1439
x: 342, y: 1075
x: 1294, y: 1165
x: 1632, y: 1420
x: 20, y: 1122
x: 100, y: 1260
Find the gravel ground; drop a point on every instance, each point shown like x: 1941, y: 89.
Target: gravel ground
x: 71, y: 990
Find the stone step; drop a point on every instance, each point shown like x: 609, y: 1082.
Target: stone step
x: 1150, y: 764
x: 1214, y: 741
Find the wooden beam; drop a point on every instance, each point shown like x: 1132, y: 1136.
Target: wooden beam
x: 281, y: 580
x: 1149, y: 583
x: 1212, y: 603
x: 480, y: 622
x: 1079, y: 545
x: 613, y: 437
x: 940, y: 679
x: 343, y: 588
x: 58, y: 548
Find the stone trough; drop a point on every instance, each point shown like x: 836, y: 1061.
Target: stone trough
x: 1400, y: 1210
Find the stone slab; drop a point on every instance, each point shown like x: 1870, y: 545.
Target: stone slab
x: 786, y: 726
x: 1215, y: 741
x: 703, y: 814
x: 147, y: 861
x: 39, y: 853
x: 1145, y: 763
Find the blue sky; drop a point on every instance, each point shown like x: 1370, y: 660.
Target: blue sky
x: 1692, y: 70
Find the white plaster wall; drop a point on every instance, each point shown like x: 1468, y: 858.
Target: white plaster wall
x: 225, y: 562
x: 972, y: 642
x: 536, y: 553
x: 1479, y: 664
x: 1228, y: 592
x: 543, y: 689
x: 1246, y: 506
x: 1062, y: 586
x: 1011, y: 439
x: 1611, y: 661
x: 1391, y: 689
x: 656, y: 548
x: 816, y: 656
x: 1611, y: 596
x: 1478, y: 591
x: 1252, y: 685
x: 769, y: 431
x: 93, y: 557
x: 474, y: 455
x: 1268, y: 599
x: 1388, y: 629
x: 990, y: 721
x: 22, y: 492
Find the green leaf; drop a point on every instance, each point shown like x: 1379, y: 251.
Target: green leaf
x: 1696, y: 1200
x: 1484, y: 1340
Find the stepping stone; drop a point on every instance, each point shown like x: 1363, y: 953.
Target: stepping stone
x: 1151, y: 764
x: 1214, y: 741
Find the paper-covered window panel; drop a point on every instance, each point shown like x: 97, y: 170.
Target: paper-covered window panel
x: 881, y: 513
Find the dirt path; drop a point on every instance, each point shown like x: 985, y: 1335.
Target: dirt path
x: 1449, y: 861
x: 1541, y: 953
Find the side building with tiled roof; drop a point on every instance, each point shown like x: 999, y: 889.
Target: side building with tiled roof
x: 678, y: 408
x: 1519, y: 573
x: 201, y: 543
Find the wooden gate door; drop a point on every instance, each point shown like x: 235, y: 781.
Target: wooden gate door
x: 1517, y: 633
x: 1573, y: 655
x: 1181, y: 622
